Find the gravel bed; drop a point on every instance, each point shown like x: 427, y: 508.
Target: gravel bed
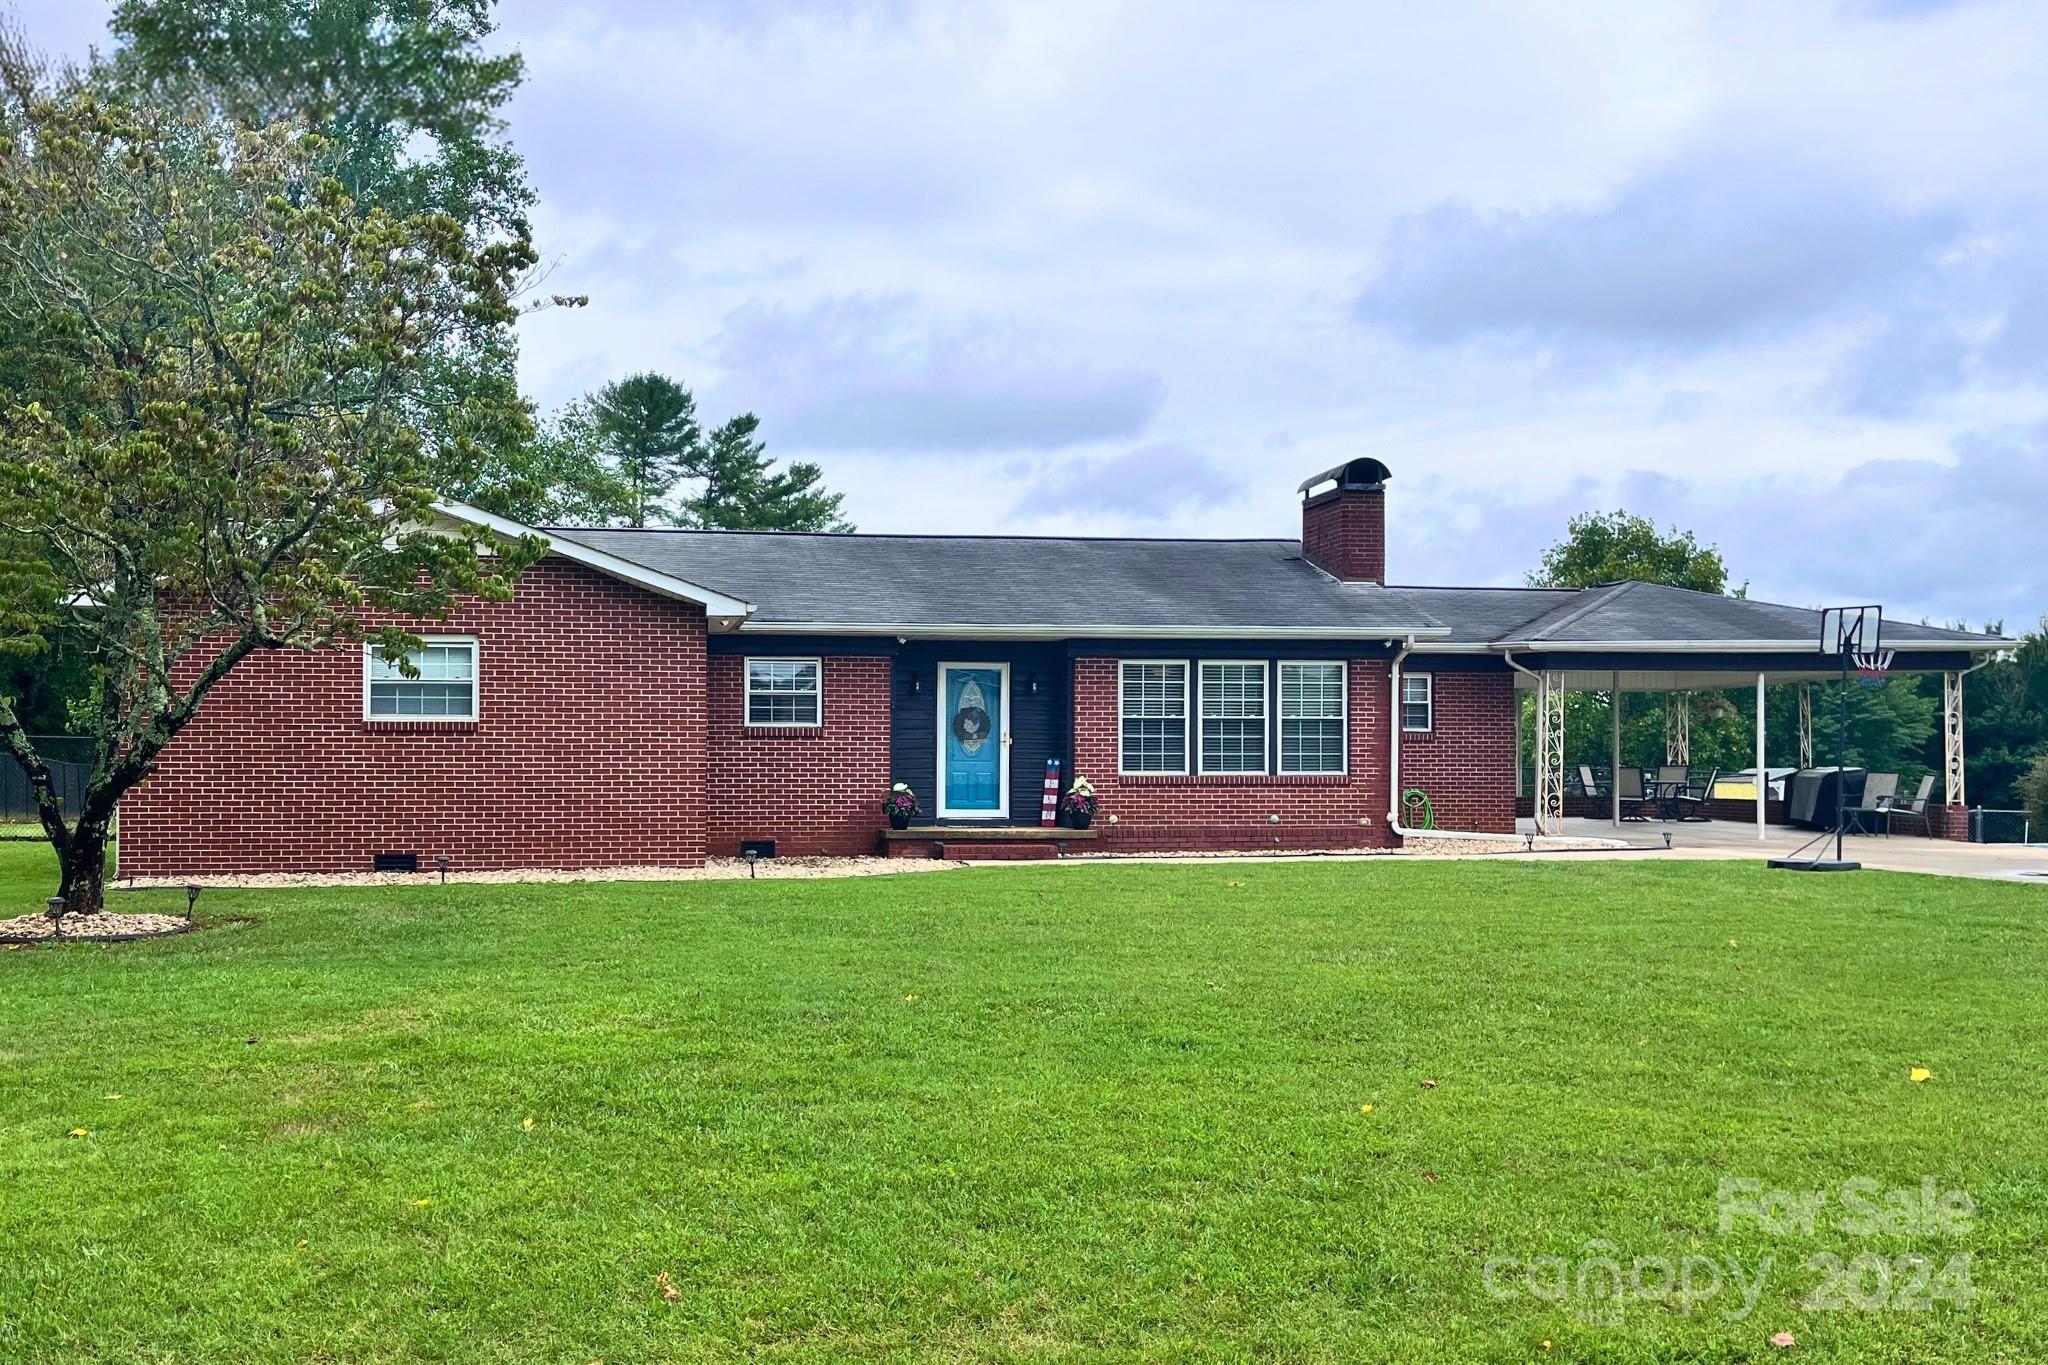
x: 715, y: 869
x: 104, y: 926
x: 1416, y: 846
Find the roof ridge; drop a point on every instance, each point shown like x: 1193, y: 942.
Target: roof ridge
x: 1597, y: 597
x: 915, y: 535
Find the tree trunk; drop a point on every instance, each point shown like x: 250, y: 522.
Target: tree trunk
x: 83, y: 883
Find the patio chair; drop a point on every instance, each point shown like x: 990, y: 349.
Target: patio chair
x: 1880, y: 790
x: 1692, y: 804
x: 1916, y: 809
x: 1670, y: 788
x: 1628, y: 782
x: 1589, y: 784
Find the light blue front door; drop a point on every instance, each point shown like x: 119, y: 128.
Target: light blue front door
x: 971, y: 740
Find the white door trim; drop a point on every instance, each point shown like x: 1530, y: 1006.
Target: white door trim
x: 1002, y: 738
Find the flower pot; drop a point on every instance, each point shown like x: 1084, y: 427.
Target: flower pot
x: 899, y: 819
x: 1080, y: 819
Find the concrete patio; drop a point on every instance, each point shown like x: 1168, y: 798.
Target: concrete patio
x: 1899, y: 853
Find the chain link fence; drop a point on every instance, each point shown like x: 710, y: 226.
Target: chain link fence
x: 70, y: 760
x: 2004, y: 827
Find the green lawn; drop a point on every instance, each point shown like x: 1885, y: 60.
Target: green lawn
x: 1039, y: 1113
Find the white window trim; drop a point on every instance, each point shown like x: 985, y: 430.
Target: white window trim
x: 1428, y: 703
x: 476, y: 684
x: 1265, y: 768
x: 747, y: 692
x: 1343, y: 769
x: 1187, y: 683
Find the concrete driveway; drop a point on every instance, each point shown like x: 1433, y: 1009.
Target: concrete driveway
x: 1899, y: 853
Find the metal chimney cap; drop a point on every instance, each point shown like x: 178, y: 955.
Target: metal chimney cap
x: 1366, y: 474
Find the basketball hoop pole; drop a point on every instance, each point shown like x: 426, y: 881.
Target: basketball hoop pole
x: 1847, y: 631
x: 1842, y: 754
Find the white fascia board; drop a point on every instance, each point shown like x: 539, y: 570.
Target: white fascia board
x: 1057, y: 632
x: 716, y: 604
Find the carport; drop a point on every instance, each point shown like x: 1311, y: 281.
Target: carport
x: 1637, y: 638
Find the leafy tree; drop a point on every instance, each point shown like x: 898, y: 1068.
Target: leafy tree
x: 212, y: 358
x: 408, y: 100
x: 1610, y: 547
x: 646, y: 428
x: 557, y: 476
x: 410, y: 105
x: 742, y: 490
x: 2033, y: 787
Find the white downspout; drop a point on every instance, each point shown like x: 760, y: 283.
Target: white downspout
x: 1394, y: 765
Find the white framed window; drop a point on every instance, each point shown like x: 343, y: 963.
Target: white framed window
x: 1312, y: 717
x: 785, y: 692
x: 444, y: 688
x: 1418, y: 701
x: 1233, y: 716
x: 1152, y: 716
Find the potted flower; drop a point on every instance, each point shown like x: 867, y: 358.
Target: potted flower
x: 1080, y: 804
x: 899, y: 805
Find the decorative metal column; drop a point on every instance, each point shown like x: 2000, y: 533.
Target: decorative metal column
x: 1550, y: 696
x: 1952, y: 735
x: 1806, y: 725
x: 1678, y: 728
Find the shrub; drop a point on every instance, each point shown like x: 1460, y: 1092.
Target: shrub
x: 2034, y: 790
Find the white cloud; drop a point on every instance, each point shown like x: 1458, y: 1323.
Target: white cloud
x: 1748, y: 246
x: 873, y: 372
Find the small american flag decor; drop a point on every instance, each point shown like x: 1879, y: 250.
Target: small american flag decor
x: 1049, y: 812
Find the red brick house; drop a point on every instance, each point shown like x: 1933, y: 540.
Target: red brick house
x: 657, y: 696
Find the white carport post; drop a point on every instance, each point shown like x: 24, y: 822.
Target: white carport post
x: 1763, y: 781
x: 1550, y: 753
x: 1614, y: 758
x: 1952, y: 739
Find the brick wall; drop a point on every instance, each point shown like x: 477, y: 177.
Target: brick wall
x: 813, y: 790
x: 1344, y: 533
x: 589, y: 750
x: 1466, y: 762
x: 1211, y: 814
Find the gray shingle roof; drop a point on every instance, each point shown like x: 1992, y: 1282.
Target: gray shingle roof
x: 883, y: 583
x: 1630, y: 612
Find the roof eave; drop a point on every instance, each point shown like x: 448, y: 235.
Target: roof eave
x: 983, y: 631
x: 717, y: 606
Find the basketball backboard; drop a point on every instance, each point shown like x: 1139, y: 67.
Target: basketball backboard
x: 1851, y: 630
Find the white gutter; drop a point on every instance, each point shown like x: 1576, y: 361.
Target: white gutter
x: 1067, y: 632
x: 1394, y: 764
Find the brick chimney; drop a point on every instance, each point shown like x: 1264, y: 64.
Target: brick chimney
x: 1344, y: 521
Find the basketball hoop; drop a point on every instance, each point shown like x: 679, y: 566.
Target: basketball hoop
x: 1852, y: 638
x: 1872, y: 666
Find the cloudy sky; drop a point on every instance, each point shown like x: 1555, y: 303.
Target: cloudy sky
x: 1772, y: 271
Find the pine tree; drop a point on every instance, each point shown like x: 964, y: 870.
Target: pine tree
x: 646, y: 429
x: 743, y: 491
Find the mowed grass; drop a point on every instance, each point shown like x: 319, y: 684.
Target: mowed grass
x: 1041, y: 1113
